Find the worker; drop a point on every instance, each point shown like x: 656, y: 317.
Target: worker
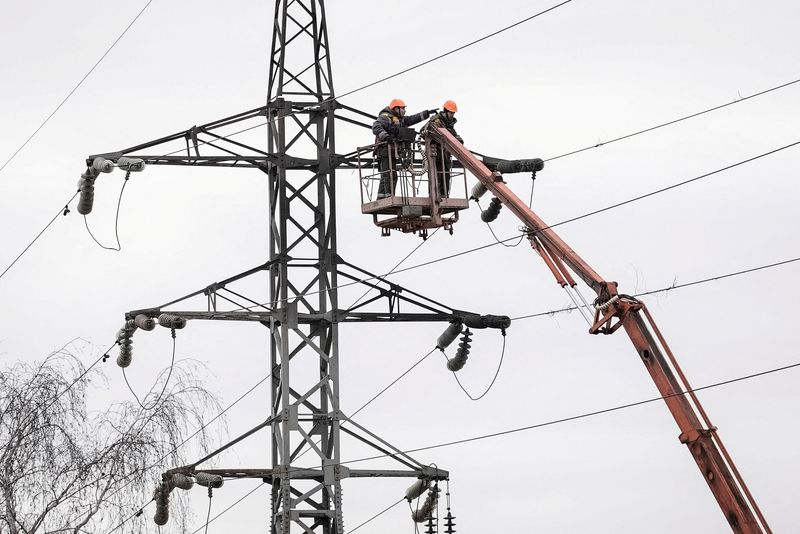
x: 444, y: 119
x: 387, y: 136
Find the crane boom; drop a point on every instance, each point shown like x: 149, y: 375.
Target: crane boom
x: 614, y: 310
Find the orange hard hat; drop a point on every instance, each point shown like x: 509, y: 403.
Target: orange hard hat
x: 397, y: 103
x: 450, y: 106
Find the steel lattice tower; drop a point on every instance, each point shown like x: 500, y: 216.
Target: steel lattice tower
x: 304, y: 268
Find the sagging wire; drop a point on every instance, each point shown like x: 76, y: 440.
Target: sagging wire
x: 208, y: 515
x: 166, y: 382
x: 377, y: 515
x: 494, y: 378
x: 491, y: 218
x: 116, y: 219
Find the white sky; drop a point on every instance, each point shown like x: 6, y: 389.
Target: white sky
x: 585, y: 73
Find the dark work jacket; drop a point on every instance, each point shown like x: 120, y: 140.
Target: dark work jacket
x: 439, y: 121
x: 387, y: 125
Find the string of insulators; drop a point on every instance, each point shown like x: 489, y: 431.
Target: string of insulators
x: 144, y: 322
x: 417, y: 488
x: 449, y: 520
x: 426, y: 510
x: 171, y: 321
x: 86, y: 188
x: 432, y: 526
x: 457, y: 362
x: 449, y: 335
x: 478, y: 190
x: 491, y: 213
x: 125, y: 342
x: 161, y: 496
x: 181, y: 481
x: 130, y: 164
x: 209, y: 480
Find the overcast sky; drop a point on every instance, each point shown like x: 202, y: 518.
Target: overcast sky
x: 582, y: 74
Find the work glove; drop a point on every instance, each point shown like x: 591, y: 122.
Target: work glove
x: 429, y: 112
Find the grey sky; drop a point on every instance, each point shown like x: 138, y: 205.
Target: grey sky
x: 582, y: 74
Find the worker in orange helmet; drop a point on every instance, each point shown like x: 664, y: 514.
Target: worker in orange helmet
x: 444, y: 119
x: 387, y: 136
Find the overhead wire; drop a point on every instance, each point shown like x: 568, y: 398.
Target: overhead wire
x: 61, y: 211
x: 118, y: 248
x: 396, y: 74
x: 560, y: 223
x: 243, y: 497
x: 670, y: 287
x: 376, y: 516
x: 674, y: 121
x: 582, y: 415
x: 494, y: 378
x: 64, y: 100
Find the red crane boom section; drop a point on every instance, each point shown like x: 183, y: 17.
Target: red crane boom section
x: 612, y: 311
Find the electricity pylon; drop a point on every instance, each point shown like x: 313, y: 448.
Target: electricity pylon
x: 303, y: 310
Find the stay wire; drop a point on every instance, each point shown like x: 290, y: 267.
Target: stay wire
x: 377, y: 515
x: 674, y: 121
x: 670, y: 287
x: 61, y: 211
x: 116, y: 219
x: 64, y: 100
x: 491, y: 384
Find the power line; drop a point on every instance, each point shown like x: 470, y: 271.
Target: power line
x: 243, y: 497
x: 673, y: 186
x: 65, y: 210
x: 674, y: 121
x: 128, y: 27
x: 377, y: 515
x: 671, y: 287
x: 560, y: 223
x: 580, y: 416
x: 398, y: 73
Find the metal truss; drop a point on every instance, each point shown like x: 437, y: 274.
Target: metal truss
x: 304, y: 270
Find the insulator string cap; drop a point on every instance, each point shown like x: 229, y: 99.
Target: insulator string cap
x: 102, y: 165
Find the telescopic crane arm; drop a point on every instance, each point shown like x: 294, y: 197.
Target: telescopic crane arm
x: 614, y: 310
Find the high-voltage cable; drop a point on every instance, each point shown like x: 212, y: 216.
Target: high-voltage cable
x: 61, y: 211
x: 580, y: 416
x: 121, y: 35
x: 671, y: 287
x: 674, y: 121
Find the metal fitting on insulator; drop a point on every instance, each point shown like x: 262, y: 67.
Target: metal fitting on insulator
x: 491, y: 213
x: 161, y: 496
x: 130, y: 164
x: 460, y: 359
x: 449, y: 335
x: 181, y: 481
x: 144, y: 322
x: 417, y: 488
x: 171, y: 321
x: 478, y: 190
x: 209, y: 480
x: 102, y: 165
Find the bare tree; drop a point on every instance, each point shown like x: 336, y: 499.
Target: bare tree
x: 64, y: 469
